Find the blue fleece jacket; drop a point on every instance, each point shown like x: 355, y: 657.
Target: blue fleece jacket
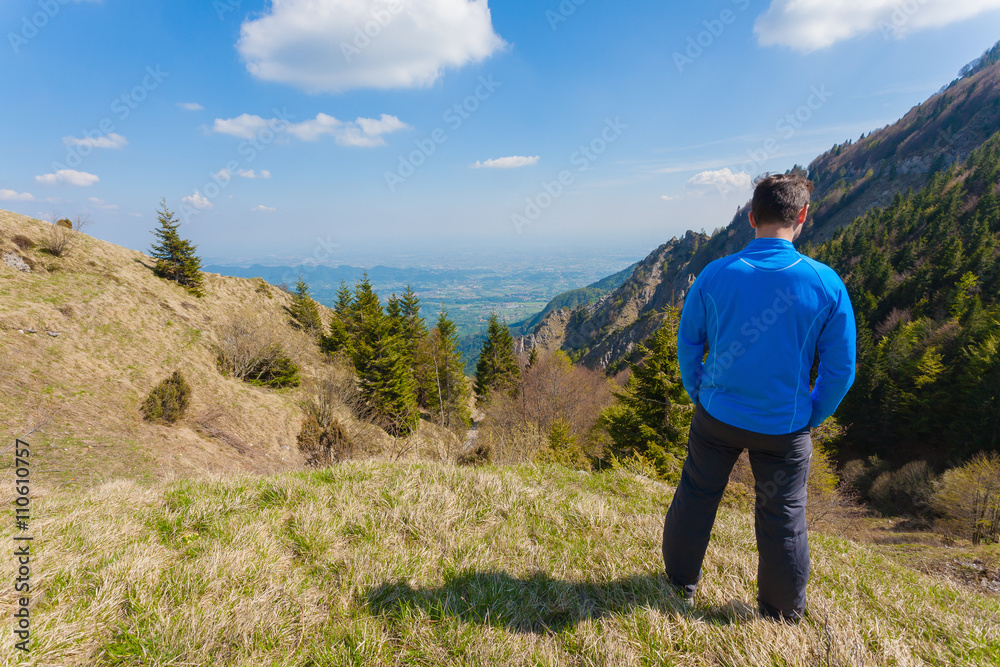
x: 764, y: 314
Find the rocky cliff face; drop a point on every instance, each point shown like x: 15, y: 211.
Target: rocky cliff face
x: 850, y: 179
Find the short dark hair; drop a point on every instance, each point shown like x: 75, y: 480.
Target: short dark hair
x: 778, y: 198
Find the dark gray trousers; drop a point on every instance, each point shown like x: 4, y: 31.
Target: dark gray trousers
x: 780, y: 466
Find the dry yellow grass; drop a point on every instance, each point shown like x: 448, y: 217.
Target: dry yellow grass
x: 375, y: 563
x: 121, y: 330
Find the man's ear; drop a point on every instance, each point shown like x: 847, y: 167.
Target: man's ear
x: 803, y: 214
x: 753, y: 223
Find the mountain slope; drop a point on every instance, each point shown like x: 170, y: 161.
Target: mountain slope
x: 119, y: 330
x: 378, y: 563
x: 851, y: 178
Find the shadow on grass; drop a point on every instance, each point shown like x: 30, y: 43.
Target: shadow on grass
x: 538, y: 603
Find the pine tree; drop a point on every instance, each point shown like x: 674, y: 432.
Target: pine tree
x: 497, y: 370
x: 380, y: 359
x: 444, y: 386
x: 304, y: 310
x: 651, y: 415
x: 175, y: 257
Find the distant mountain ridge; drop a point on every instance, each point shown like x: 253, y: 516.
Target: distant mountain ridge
x: 850, y: 178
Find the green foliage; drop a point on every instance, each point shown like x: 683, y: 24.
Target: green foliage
x: 924, y: 277
x: 968, y: 498
x: 175, y: 257
x: 277, y: 371
x: 168, y: 400
x: 304, y: 309
x: 497, y: 370
x: 444, y: 388
x: 563, y: 448
x: 380, y: 352
x: 651, y: 415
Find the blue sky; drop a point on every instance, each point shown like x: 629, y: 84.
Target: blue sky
x: 328, y: 129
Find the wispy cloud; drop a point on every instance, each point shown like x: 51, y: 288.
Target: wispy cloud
x: 97, y: 202
x: 68, y: 177
x: 190, y: 106
x: 198, y: 201
x: 362, y: 132
x: 811, y: 25
x: 113, y: 141
x: 11, y: 195
x: 721, y: 179
x: 511, y: 162
x: 266, y: 209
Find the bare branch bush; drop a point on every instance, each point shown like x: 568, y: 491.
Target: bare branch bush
x: 59, y: 241
x: 248, y: 346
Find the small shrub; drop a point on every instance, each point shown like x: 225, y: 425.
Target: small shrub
x: 261, y: 287
x: 249, y: 350
x: 168, y: 400
x: 905, y: 491
x: 65, y: 223
x: 59, y: 241
x: 968, y: 498
x: 563, y: 448
x: 280, y: 371
x: 23, y: 242
x: 323, y: 445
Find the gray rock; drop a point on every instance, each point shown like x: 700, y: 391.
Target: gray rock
x: 15, y: 261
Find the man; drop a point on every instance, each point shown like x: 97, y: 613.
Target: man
x: 764, y: 313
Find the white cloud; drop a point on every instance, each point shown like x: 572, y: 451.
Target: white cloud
x: 115, y: 141
x: 69, y: 177
x: 261, y: 207
x: 198, y: 202
x: 723, y: 180
x: 329, y: 46
x: 364, y: 132
x: 670, y: 198
x: 507, y: 162
x: 97, y: 202
x: 244, y: 126
x: 250, y: 173
x: 810, y: 25
x: 11, y: 195
x: 190, y: 106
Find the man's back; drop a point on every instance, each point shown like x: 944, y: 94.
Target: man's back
x: 764, y: 312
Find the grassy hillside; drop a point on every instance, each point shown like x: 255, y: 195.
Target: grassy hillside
x: 379, y: 564
x: 116, y: 331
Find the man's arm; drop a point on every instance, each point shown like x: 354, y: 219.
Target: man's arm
x: 691, y: 337
x: 837, y: 347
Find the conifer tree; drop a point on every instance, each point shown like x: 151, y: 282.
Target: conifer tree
x: 304, y: 309
x: 175, y: 257
x: 445, y: 387
x: 339, y: 338
x: 652, y: 413
x: 380, y: 359
x: 497, y: 370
